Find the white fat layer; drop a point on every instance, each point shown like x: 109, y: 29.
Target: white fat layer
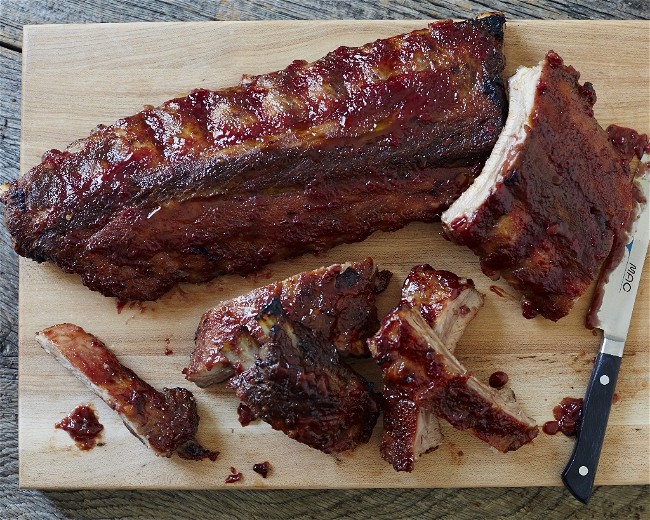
x: 522, y: 88
x: 245, y: 352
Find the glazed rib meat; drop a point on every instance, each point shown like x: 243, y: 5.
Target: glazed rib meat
x: 422, y: 378
x: 164, y: 421
x: 555, y: 198
x: 298, y: 385
x: 419, y: 371
x: 335, y: 302
x: 364, y: 139
x: 447, y: 303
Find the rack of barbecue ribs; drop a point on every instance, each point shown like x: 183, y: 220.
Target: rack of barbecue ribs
x: 555, y: 199
x: 335, y: 302
x: 164, y: 421
x: 364, y: 139
x: 299, y: 385
x: 423, y: 380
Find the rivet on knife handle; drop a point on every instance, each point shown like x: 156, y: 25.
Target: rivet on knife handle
x: 580, y: 472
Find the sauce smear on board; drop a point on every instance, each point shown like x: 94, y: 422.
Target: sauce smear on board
x: 83, y: 426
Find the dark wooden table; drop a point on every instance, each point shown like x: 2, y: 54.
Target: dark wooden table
x: 530, y: 503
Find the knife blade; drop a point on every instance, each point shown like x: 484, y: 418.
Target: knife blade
x: 613, y: 318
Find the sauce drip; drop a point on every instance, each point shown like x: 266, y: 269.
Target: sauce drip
x: 498, y: 379
x: 498, y: 291
x: 567, y: 417
x: 551, y: 427
x: 616, y: 255
x: 262, y: 468
x: 246, y: 415
x: 120, y: 304
x: 503, y: 293
x: 627, y: 141
x: 83, y: 426
x: 234, y: 476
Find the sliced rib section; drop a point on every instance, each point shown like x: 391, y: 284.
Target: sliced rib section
x: 420, y: 372
x: 164, y: 421
x: 335, y: 302
x: 447, y: 303
x: 556, y: 197
x: 423, y: 380
x: 298, y: 385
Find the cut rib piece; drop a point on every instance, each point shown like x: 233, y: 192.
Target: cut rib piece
x: 299, y: 386
x: 418, y: 369
x: 447, y: 303
x: 555, y: 198
x: 335, y: 302
x: 164, y: 421
x: 364, y: 139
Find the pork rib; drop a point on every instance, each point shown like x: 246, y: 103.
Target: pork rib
x: 555, y: 198
x: 365, y: 139
x: 419, y: 371
x: 447, y: 303
x: 298, y: 385
x: 164, y: 421
x: 335, y: 302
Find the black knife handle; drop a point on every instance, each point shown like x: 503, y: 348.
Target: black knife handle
x: 580, y: 472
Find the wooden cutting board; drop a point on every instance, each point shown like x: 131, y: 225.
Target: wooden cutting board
x: 77, y: 76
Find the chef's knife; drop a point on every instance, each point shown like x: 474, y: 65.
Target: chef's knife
x: 613, y: 318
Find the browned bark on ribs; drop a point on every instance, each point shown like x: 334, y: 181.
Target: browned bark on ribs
x: 419, y: 371
x: 298, y: 160
x: 335, y: 302
x: 299, y: 386
x: 164, y: 421
x: 556, y: 197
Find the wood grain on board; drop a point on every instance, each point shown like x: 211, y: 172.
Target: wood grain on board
x: 75, y: 77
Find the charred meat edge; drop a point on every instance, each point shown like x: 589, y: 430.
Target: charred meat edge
x: 298, y: 384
